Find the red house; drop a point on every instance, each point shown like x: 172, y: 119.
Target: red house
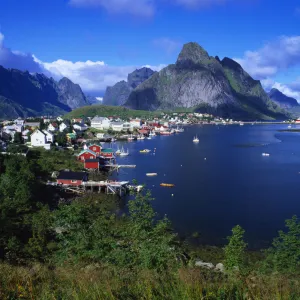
x: 92, y: 164
x: 71, y: 178
x: 95, y: 148
x: 86, y: 154
x: 107, y: 153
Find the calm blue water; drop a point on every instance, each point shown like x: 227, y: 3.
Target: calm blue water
x: 234, y: 185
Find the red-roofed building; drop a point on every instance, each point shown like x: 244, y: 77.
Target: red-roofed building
x: 95, y: 148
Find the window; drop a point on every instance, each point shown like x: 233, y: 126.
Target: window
x: 82, y: 158
x: 91, y: 157
x: 94, y: 148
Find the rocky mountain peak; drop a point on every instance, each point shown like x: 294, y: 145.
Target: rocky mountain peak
x: 138, y: 76
x: 231, y: 64
x: 282, y: 100
x: 192, y: 54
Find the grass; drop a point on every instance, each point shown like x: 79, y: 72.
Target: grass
x: 100, y: 282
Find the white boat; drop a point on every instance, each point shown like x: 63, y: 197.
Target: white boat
x: 145, y: 151
x: 196, y: 140
x: 151, y: 174
x: 140, y: 137
x: 265, y: 154
x: 177, y: 130
x: 241, y: 124
x: 149, y: 138
x: 130, y: 138
x: 118, y: 152
x: 123, y: 152
x: 290, y: 126
x: 152, y: 134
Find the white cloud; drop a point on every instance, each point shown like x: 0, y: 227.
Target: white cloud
x: 16, y: 59
x: 200, y: 3
x: 92, y: 76
x: 143, y: 8
x: 167, y: 45
x: 272, y: 58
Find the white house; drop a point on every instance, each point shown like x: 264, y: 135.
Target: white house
x: 18, y: 127
x: 49, y: 136
x: 136, y: 123
x: 24, y: 134
x: 38, y: 139
x: 127, y: 126
x: 59, y: 119
x: 52, y: 127
x: 117, y: 126
x: 19, y: 121
x: 80, y: 127
x: 100, y: 123
x: 63, y: 126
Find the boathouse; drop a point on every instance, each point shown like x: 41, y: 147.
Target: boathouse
x: 86, y: 154
x: 107, y: 153
x: 72, y: 178
x: 95, y: 148
x: 92, y: 164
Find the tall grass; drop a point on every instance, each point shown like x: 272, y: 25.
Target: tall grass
x: 95, y: 282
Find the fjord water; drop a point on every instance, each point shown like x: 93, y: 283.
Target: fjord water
x: 223, y: 180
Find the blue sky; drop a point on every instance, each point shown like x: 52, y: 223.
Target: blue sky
x: 97, y: 42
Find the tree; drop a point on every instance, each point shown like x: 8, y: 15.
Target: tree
x: 61, y: 139
x: 18, y: 138
x: 235, y: 250
x: 284, y: 255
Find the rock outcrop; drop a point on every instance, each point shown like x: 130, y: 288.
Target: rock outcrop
x: 282, y: 100
x: 24, y: 94
x: 118, y: 94
x: 206, y: 84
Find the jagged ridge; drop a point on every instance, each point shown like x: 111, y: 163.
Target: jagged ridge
x: 207, y: 84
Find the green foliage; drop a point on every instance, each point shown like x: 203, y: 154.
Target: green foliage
x: 284, y: 255
x: 235, y: 250
x: 61, y: 139
x: 18, y: 138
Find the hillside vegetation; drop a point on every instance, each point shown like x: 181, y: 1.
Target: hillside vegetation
x: 122, y: 112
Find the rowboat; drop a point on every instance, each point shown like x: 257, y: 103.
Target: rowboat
x: 151, y: 174
x: 145, y: 151
x: 167, y: 184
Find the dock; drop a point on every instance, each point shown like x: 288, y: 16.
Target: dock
x: 119, y: 188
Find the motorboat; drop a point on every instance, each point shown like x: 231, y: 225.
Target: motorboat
x: 167, y: 184
x: 140, y: 137
x: 151, y: 174
x: 152, y: 134
x: 145, y: 151
x: 265, y: 154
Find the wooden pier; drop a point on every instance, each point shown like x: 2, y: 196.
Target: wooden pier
x: 119, y: 188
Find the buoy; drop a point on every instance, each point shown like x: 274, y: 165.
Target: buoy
x: 172, y: 195
x: 205, y: 158
x: 181, y: 165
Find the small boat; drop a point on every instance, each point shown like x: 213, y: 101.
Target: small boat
x: 167, y: 184
x: 152, y: 134
x: 149, y: 138
x: 165, y: 133
x: 290, y: 126
x: 196, y: 140
x: 151, y: 174
x: 178, y: 130
x: 118, y: 152
x: 140, y: 137
x: 130, y: 138
x: 145, y: 151
x: 241, y: 124
x: 265, y: 154
x: 123, y: 153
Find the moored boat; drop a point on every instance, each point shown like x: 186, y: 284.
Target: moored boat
x: 145, y: 151
x: 151, y: 174
x: 196, y: 140
x: 167, y: 184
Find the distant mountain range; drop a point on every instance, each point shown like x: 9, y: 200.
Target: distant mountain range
x: 282, y: 100
x: 23, y: 94
x: 206, y: 84
x: 119, y: 93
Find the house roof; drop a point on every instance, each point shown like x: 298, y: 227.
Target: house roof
x: 117, y: 123
x: 37, y: 130
x: 69, y: 175
x: 98, y: 119
x: 94, y: 144
x: 87, y: 150
x: 107, y: 150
